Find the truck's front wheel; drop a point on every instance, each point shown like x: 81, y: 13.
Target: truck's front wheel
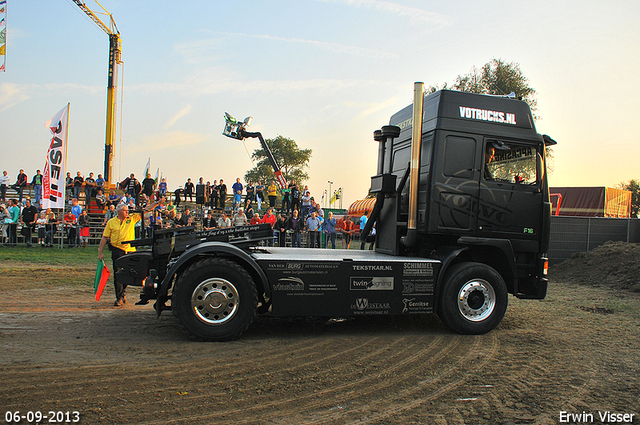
x: 215, y: 300
x: 473, y: 299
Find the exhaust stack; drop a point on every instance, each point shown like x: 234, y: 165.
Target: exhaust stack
x: 416, y: 146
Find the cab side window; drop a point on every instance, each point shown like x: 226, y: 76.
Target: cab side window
x: 510, y: 162
x: 459, y: 157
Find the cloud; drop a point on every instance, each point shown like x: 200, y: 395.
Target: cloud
x: 200, y: 51
x: 373, y: 107
x: 323, y: 45
x: 179, y: 115
x: 14, y: 94
x: 413, y: 13
x: 208, y: 81
x: 11, y: 95
x: 164, y: 141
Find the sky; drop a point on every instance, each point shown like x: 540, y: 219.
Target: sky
x: 325, y: 73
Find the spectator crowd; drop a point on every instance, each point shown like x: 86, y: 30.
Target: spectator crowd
x: 215, y: 206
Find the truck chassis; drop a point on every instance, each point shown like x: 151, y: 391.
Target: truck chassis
x: 215, y: 282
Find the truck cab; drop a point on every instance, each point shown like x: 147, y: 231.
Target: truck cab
x: 482, y: 186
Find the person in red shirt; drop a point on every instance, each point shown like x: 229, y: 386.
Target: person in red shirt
x: 347, y: 231
x: 271, y: 219
x: 255, y: 219
x: 70, y: 222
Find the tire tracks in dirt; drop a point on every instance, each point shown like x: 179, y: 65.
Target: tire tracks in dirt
x: 263, y: 403
x: 145, y: 398
x: 374, y: 371
x: 406, y: 398
x: 109, y: 376
x: 291, y: 409
x: 179, y: 372
x: 72, y: 381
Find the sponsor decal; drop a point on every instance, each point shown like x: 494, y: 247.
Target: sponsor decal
x: 363, y: 304
x: 323, y: 287
x: 289, y: 284
x: 320, y: 266
x: 487, y: 115
x: 371, y: 283
x: 227, y: 231
x: 360, y: 268
x: 418, y: 269
x: 417, y: 287
x: 406, y: 123
x: 411, y: 305
x: 514, y: 153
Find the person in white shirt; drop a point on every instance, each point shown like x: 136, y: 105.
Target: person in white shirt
x: 224, y: 221
x: 4, y: 184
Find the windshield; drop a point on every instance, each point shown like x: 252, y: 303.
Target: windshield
x: 510, y: 162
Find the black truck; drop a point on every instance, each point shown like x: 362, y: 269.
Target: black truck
x: 462, y: 219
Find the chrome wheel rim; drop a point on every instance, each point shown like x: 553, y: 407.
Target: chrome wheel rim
x: 476, y: 300
x: 215, y: 301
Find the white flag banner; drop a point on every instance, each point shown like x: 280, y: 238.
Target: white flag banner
x: 146, y: 169
x: 53, y: 181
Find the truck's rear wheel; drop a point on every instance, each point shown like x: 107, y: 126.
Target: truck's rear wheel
x: 473, y: 299
x: 215, y: 300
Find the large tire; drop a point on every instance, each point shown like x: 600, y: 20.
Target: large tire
x: 473, y: 299
x: 215, y: 300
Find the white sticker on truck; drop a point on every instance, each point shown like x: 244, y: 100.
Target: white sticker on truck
x: 487, y: 115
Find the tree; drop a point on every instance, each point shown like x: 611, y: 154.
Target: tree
x: 632, y: 186
x: 291, y: 159
x: 496, y: 77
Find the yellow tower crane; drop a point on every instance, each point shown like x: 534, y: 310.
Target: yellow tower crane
x: 112, y: 84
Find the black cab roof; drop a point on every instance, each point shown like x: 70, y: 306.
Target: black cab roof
x: 470, y: 112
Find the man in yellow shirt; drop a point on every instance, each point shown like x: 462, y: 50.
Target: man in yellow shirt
x: 119, y: 229
x: 272, y: 192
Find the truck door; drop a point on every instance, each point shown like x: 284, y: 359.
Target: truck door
x: 455, y: 185
x: 510, y: 191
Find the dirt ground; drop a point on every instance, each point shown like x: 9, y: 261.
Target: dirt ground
x: 575, y: 353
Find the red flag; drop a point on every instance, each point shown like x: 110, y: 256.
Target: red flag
x: 102, y: 275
